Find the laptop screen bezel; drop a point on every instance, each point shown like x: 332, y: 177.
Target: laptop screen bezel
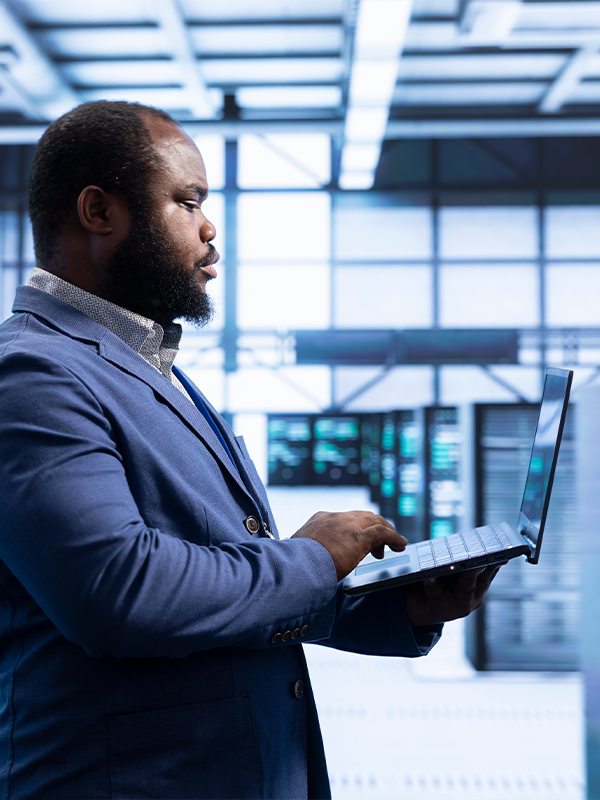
x: 566, y: 374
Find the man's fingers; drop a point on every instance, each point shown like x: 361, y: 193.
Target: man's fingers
x: 378, y: 551
x: 369, y: 518
x: 433, y: 588
x: 485, y: 579
x: 381, y: 532
x: 466, y: 582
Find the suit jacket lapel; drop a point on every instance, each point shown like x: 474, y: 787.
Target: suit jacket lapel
x: 234, y: 448
x: 79, y: 326
x: 120, y: 354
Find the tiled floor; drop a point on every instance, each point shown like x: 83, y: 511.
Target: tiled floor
x: 433, y: 728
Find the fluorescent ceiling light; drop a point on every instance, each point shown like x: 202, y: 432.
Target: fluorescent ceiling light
x: 289, y: 97
x: 360, y: 157
x: 366, y: 124
x: 372, y: 82
x: 380, y: 33
x: 491, y: 23
x: 356, y: 180
x: 381, y: 28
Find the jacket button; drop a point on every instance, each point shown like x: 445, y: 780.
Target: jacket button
x: 295, y: 633
x: 252, y: 524
x: 304, y: 630
x: 276, y: 638
x: 298, y: 689
x: 287, y: 635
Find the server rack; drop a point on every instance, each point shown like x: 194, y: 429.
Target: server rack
x: 530, y: 619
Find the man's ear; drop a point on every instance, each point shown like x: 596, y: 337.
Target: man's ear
x: 99, y: 212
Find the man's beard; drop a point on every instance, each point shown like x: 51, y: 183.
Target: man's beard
x: 145, y: 275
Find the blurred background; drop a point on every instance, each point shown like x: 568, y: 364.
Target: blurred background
x: 407, y: 200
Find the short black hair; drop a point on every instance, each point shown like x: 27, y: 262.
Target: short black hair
x: 104, y: 143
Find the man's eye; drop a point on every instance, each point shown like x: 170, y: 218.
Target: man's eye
x: 192, y: 206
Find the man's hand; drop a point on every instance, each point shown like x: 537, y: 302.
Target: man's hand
x: 349, y: 536
x: 450, y: 597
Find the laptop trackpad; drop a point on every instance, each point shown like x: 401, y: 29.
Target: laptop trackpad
x: 395, y: 565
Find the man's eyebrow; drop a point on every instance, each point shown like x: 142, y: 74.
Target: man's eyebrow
x: 197, y: 189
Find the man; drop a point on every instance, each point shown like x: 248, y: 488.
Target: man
x: 151, y: 619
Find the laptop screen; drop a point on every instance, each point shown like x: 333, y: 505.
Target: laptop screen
x: 543, y: 457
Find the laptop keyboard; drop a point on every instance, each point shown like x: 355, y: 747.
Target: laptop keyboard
x: 461, y: 546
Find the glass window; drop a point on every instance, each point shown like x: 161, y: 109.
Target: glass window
x: 286, y: 160
x: 253, y: 427
x: 287, y: 389
x: 212, y: 148
x: 283, y: 297
x: 465, y: 384
x: 376, y: 232
x: 216, y: 291
x: 9, y: 282
x: 572, y: 295
x: 9, y: 237
x: 494, y: 232
x: 210, y: 381
x: 401, y: 387
x: 214, y: 209
x: 284, y: 226
x: 504, y: 296
x: 382, y: 297
x: 29, y: 254
x: 572, y: 232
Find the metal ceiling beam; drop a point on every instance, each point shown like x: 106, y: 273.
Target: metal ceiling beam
x: 497, y: 128
x: 487, y: 23
x: 44, y: 92
x: 168, y: 13
x: 562, y: 89
x: 396, y: 129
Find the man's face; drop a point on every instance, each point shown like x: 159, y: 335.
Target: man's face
x: 160, y: 270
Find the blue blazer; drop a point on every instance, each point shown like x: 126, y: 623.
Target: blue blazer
x: 137, y: 612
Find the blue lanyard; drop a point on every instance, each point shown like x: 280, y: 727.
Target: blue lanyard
x: 201, y: 406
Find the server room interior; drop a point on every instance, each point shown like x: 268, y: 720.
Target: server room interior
x: 393, y: 360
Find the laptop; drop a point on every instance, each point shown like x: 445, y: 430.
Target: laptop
x: 491, y: 543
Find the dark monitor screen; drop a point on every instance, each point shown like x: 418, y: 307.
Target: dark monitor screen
x: 290, y: 450
x: 336, y: 456
x: 544, y: 454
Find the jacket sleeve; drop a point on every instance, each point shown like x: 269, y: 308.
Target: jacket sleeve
x: 376, y: 624
x: 73, y: 536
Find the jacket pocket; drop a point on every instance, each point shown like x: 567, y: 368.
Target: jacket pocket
x: 205, y: 750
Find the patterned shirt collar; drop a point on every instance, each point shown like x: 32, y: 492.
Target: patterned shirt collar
x: 157, y: 345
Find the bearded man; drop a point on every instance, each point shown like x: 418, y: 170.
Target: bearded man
x: 151, y: 620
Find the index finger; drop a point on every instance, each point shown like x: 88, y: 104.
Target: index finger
x: 375, y: 519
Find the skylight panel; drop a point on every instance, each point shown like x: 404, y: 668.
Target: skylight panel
x: 75, y: 11
x: 468, y: 94
x: 466, y: 66
x: 104, y: 42
x: 261, y: 9
x: 289, y: 97
x: 436, y: 8
x: 175, y: 100
x: 559, y: 16
x: 265, y: 39
x: 241, y: 71
x: 432, y: 36
x: 122, y: 73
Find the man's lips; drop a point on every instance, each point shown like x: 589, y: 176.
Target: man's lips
x: 207, y: 265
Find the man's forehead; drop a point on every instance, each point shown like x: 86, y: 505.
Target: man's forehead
x: 175, y: 147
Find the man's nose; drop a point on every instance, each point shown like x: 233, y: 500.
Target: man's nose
x: 207, y: 231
